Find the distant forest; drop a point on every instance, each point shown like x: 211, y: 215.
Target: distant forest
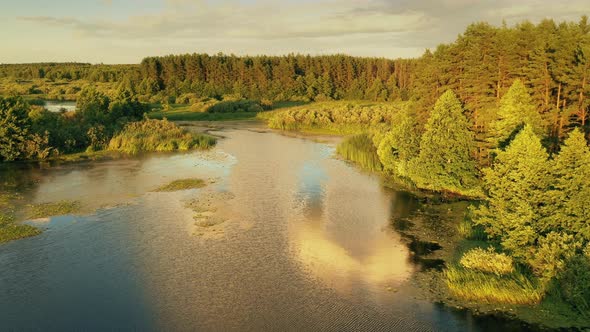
x: 551, y: 59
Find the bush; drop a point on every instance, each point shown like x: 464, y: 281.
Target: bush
x: 234, y: 106
x: 574, y: 284
x: 157, y: 135
x: 488, y: 261
x: 342, y: 117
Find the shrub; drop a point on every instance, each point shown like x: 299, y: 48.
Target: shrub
x: 488, y: 261
x: 574, y: 284
x: 157, y: 135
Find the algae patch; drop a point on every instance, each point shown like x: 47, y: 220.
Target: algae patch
x: 50, y: 209
x: 182, y: 184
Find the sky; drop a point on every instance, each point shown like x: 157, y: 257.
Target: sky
x: 126, y: 31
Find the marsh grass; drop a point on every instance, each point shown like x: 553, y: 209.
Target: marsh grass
x: 157, y: 135
x: 51, y: 209
x: 469, y: 231
x: 361, y: 150
x: 183, y: 184
x: 472, y: 285
x: 487, y: 260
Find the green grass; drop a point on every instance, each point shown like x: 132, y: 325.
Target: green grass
x: 157, y: 135
x: 476, y: 286
x: 182, y: 184
x: 51, y: 209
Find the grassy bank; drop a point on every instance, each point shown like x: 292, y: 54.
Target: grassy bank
x: 185, y: 112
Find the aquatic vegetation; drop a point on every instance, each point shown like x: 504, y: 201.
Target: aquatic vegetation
x: 9, y: 229
x: 157, y: 135
x: 360, y: 149
x: 12, y: 231
x: 182, y: 184
x: 473, y: 285
x: 51, y: 209
x: 487, y: 260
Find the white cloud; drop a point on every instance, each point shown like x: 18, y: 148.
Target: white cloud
x: 390, y: 28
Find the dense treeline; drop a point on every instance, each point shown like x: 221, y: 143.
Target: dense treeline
x: 551, y: 60
x: 291, y: 77
x: 69, y: 71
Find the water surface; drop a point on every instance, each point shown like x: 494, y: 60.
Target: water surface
x: 59, y: 105
x: 308, y: 245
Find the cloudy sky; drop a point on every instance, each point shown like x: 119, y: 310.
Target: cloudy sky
x: 125, y: 31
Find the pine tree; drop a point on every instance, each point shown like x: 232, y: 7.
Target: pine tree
x: 516, y: 188
x: 401, y: 144
x: 445, y: 162
x: 572, y: 188
x: 516, y: 110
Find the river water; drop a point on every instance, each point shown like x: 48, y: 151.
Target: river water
x: 307, y: 245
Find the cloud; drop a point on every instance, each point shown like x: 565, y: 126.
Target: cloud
x: 198, y: 19
x: 391, y: 28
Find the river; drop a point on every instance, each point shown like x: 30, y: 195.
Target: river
x: 308, y: 245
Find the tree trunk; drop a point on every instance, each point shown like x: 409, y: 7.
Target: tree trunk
x: 581, y: 110
x: 547, y: 83
x: 558, y: 95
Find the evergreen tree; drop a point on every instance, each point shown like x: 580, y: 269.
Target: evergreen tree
x: 516, y: 109
x: 572, y: 187
x: 401, y: 144
x: 445, y: 162
x: 516, y: 187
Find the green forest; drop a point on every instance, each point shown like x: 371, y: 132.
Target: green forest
x: 499, y: 117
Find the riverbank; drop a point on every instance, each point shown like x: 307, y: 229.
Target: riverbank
x: 440, y: 233
x: 437, y: 236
